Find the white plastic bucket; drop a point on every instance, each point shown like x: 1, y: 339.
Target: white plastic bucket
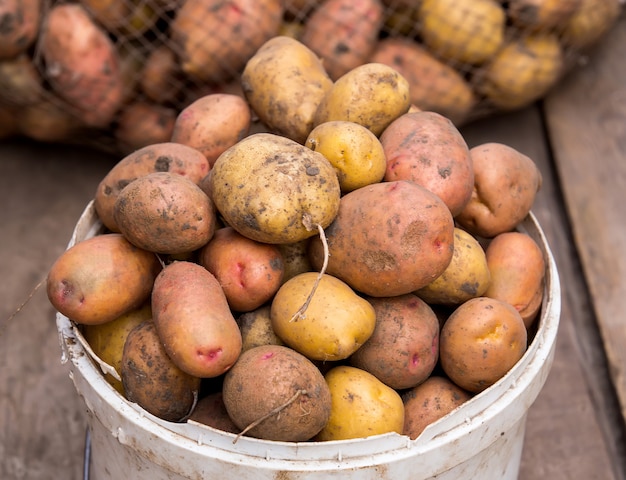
x: 481, y: 440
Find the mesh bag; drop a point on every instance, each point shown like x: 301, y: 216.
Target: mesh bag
x: 116, y: 73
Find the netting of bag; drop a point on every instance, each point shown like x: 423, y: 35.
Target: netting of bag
x: 120, y: 71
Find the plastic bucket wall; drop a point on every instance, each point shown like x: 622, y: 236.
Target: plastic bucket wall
x: 481, y: 440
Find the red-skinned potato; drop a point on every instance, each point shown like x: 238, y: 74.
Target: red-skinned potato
x: 212, y: 124
x: 505, y: 185
x: 193, y: 320
x: 404, y: 348
x: 142, y: 123
x: 388, y: 239
x: 83, y: 64
x: 158, y: 157
x: 355, y: 25
x: 101, y: 278
x: 426, y: 148
x: 249, y: 272
x: 20, y: 26
x: 517, y: 271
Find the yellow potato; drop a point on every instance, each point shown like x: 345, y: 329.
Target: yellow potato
x: 285, y: 82
x: 256, y: 329
x: 354, y: 151
x: 372, y: 95
x: 590, y: 22
x: 361, y: 406
x: 467, y: 276
x: 273, y: 190
x: 334, y: 324
x: 522, y: 71
x: 469, y: 31
x: 542, y: 14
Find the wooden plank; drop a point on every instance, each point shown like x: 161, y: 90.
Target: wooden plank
x: 564, y: 438
x: 586, y: 117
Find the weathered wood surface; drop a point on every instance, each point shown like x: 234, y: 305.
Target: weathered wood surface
x: 586, y: 118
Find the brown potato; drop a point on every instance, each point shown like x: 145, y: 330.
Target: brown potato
x: 295, y: 258
x: 277, y: 382
x: 249, y: 272
x: 158, y: 157
x: 211, y: 411
x: 152, y: 380
x: 193, y: 320
x: 160, y: 77
x: 480, y: 342
x: 433, y: 85
x: 404, y: 348
x: 20, y: 81
x: 428, y: 402
x: 355, y: 26
x: 388, y: 239
x: 517, y: 271
x: 47, y: 121
x: 164, y: 212
x: 216, y: 38
x: 212, y: 124
x: 20, y: 26
x: 142, y: 123
x: 534, y: 15
x: 505, y: 185
x: 426, y: 148
x: 101, y: 278
x: 86, y: 63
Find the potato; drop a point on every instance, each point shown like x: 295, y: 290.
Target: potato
x: 433, y: 85
x: 159, y: 157
x: 152, y: 380
x: 20, y: 82
x: 404, y: 348
x: 107, y: 339
x: 354, y: 151
x: 256, y: 328
x: 112, y: 14
x: 279, y: 388
x: 83, y: 66
x: 212, y: 124
x: 164, y: 212
x: 249, y: 272
x: 285, y: 82
x: 8, y: 123
x: 590, y: 22
x: 372, y: 95
x: 426, y: 148
x: 20, y: 26
x: 332, y: 326
x: 295, y: 258
x: 467, y: 276
x: 522, y: 71
x: 468, y: 31
x: 362, y: 406
x: 216, y: 38
x: 428, y: 402
x: 161, y: 78
x: 211, y: 411
x: 142, y: 123
x: 271, y: 189
x: 355, y: 26
x: 48, y: 120
x: 101, y: 278
x: 505, y: 185
x: 517, y: 271
x: 480, y: 342
x: 388, y: 239
x: 193, y: 320
x: 533, y: 15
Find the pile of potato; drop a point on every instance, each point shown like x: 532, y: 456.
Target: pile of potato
x: 116, y: 73
x: 351, y: 269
